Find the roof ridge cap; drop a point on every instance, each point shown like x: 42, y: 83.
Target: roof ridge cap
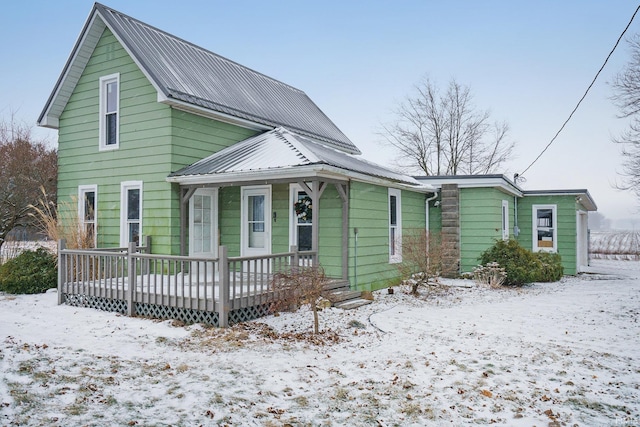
x: 101, y: 7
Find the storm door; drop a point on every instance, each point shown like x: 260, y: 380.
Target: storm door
x: 256, y: 221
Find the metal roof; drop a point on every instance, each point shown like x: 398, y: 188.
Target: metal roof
x: 188, y: 75
x: 281, y: 149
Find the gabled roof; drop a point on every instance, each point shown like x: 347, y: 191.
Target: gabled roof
x: 283, y: 154
x: 192, y: 78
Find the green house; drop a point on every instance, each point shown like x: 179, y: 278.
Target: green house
x: 472, y: 212
x: 161, y: 138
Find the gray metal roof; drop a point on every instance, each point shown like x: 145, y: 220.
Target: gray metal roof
x: 282, y: 149
x: 189, y: 74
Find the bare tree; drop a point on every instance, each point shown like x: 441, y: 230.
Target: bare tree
x: 444, y: 134
x: 626, y: 86
x: 28, y: 167
x: 299, y: 286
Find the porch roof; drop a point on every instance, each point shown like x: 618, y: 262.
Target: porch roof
x: 283, y: 154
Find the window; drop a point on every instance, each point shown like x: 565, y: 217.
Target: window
x: 395, y: 226
x: 130, y: 212
x: 505, y: 220
x: 301, y: 219
x: 87, y: 212
x: 545, y: 228
x: 109, y: 112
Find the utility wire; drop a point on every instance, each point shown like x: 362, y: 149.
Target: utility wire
x: 585, y: 93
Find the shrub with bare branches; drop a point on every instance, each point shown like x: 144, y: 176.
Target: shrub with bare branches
x: 299, y: 286
x: 421, y: 259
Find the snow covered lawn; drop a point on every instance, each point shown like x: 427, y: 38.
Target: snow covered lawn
x: 556, y: 354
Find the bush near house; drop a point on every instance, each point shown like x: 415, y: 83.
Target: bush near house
x: 521, y: 265
x: 31, y: 272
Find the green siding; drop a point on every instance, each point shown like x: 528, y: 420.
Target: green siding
x: 144, y: 151
x: 369, y: 213
x: 480, y: 222
x: 330, y: 231
x: 566, y: 208
x: 154, y: 141
x: 229, y: 219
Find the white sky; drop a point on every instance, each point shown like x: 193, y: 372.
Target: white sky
x: 528, y: 62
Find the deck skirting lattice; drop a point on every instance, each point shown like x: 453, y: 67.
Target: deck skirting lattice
x: 100, y: 303
x: 187, y: 315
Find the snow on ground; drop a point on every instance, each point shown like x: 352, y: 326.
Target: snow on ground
x: 557, y: 354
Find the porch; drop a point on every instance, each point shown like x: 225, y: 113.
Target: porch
x: 218, y: 291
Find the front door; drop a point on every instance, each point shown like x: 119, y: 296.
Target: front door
x: 256, y: 221
x: 203, y: 224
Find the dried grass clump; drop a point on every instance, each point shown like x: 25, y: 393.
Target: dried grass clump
x: 61, y: 222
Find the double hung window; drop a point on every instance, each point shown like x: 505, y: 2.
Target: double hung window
x: 130, y: 212
x: 395, y: 226
x: 87, y: 213
x: 109, y: 112
x: 545, y: 228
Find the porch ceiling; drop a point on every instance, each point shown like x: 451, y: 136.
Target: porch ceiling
x: 282, y: 155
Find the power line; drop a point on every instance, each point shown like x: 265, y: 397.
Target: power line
x: 585, y: 93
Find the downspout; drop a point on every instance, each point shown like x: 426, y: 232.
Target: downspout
x: 426, y: 210
x: 516, y: 229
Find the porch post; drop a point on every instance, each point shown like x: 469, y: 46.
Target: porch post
x: 315, y: 192
x: 131, y: 269
x: 223, y: 290
x: 62, y: 269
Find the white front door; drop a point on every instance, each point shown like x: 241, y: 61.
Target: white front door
x: 203, y: 224
x: 256, y: 220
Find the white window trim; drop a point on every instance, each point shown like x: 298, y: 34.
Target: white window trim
x: 554, y: 228
x: 505, y: 220
x: 82, y: 189
x: 293, y: 220
x: 245, y: 192
x: 397, y: 257
x: 103, y: 107
x: 124, y: 231
x: 213, y: 192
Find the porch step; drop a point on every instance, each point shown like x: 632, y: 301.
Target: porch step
x: 352, y: 303
x: 341, y: 296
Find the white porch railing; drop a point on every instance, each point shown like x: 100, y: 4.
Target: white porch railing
x: 219, y: 290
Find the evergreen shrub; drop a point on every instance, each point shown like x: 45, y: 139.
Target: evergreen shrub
x: 521, y: 265
x: 31, y: 272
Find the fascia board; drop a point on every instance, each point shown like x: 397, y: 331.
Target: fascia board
x: 476, y: 183
x: 589, y: 203
x: 47, y: 119
x: 293, y: 173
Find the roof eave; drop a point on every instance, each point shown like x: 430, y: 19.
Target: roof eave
x: 582, y: 196
x: 474, y: 181
x: 294, y: 173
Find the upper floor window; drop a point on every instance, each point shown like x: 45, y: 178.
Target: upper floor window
x: 545, y: 228
x: 109, y: 111
x: 395, y: 226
